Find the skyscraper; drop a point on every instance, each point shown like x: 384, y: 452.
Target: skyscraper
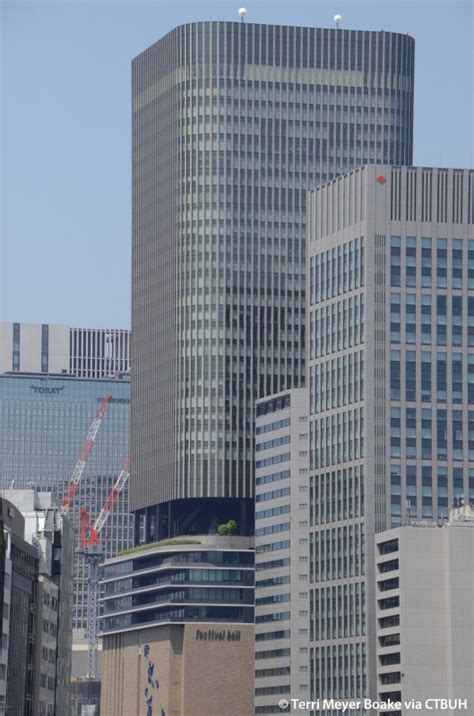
x: 232, y: 123
x: 391, y: 375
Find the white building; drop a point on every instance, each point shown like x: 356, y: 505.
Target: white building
x: 281, y: 550
x: 390, y: 325
x: 44, y: 348
x: 425, y: 614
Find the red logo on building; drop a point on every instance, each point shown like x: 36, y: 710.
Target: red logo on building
x: 381, y: 180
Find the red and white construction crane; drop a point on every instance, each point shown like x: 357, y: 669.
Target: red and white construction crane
x: 84, y: 456
x: 92, y: 552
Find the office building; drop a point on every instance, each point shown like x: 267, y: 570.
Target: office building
x: 281, y: 550
x: 45, y: 420
x: 391, y: 369
x: 425, y: 615
x: 52, y: 534
x: 177, y: 628
x: 232, y: 123
x: 46, y: 348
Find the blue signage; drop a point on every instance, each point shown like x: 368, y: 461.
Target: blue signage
x: 43, y: 390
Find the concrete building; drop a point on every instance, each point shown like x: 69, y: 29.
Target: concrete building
x: 45, y: 420
x: 5, y: 581
x: 281, y: 550
x: 390, y: 368
x: 19, y: 616
x: 425, y: 615
x: 232, y: 123
x: 46, y: 348
x: 52, y: 534
x: 177, y: 628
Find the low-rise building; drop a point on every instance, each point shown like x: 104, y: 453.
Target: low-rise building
x: 174, y: 613
x: 19, y: 616
x: 48, y: 557
x: 425, y: 615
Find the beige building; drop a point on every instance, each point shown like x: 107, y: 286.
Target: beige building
x: 171, y: 664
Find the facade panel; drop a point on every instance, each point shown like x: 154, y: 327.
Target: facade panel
x: 390, y: 309
x: 281, y: 550
x: 45, y: 348
x: 45, y: 421
x: 232, y: 123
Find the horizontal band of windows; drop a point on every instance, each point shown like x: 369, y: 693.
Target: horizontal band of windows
x: 271, y: 635
x: 165, y: 578
x: 274, y: 617
x: 267, y: 690
x: 183, y: 614
x: 272, y: 599
x: 273, y: 546
x: 138, y: 564
x: 276, y: 442
x: 284, y: 579
x: 273, y: 477
x: 189, y: 594
x: 272, y: 653
x: 139, y: 611
x: 272, y: 512
x: 276, y: 425
x: 273, y: 495
x: 284, y: 457
x: 272, y: 529
x: 276, y: 671
x: 273, y: 564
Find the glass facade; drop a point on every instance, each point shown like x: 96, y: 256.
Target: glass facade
x: 434, y: 313
x: 45, y: 421
x: 202, y: 584
x: 232, y: 123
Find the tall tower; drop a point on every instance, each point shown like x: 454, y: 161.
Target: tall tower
x: 391, y: 424
x: 232, y: 123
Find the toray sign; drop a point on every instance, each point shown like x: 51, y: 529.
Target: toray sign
x: 43, y: 390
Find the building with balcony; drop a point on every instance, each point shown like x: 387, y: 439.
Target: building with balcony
x: 172, y: 614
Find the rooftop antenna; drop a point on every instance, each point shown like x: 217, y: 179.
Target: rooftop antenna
x: 242, y: 13
x: 337, y: 20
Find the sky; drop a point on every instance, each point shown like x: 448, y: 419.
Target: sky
x: 65, y: 130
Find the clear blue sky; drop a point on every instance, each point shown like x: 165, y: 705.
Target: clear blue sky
x: 66, y: 130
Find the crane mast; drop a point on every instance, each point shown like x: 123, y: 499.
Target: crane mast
x: 84, y: 456
x: 92, y: 552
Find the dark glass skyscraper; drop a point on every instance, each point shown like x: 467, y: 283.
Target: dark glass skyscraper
x: 232, y: 123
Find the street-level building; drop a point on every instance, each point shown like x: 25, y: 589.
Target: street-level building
x: 281, y: 550
x: 177, y: 628
x: 20, y: 612
x: 390, y: 375
x: 51, y: 534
